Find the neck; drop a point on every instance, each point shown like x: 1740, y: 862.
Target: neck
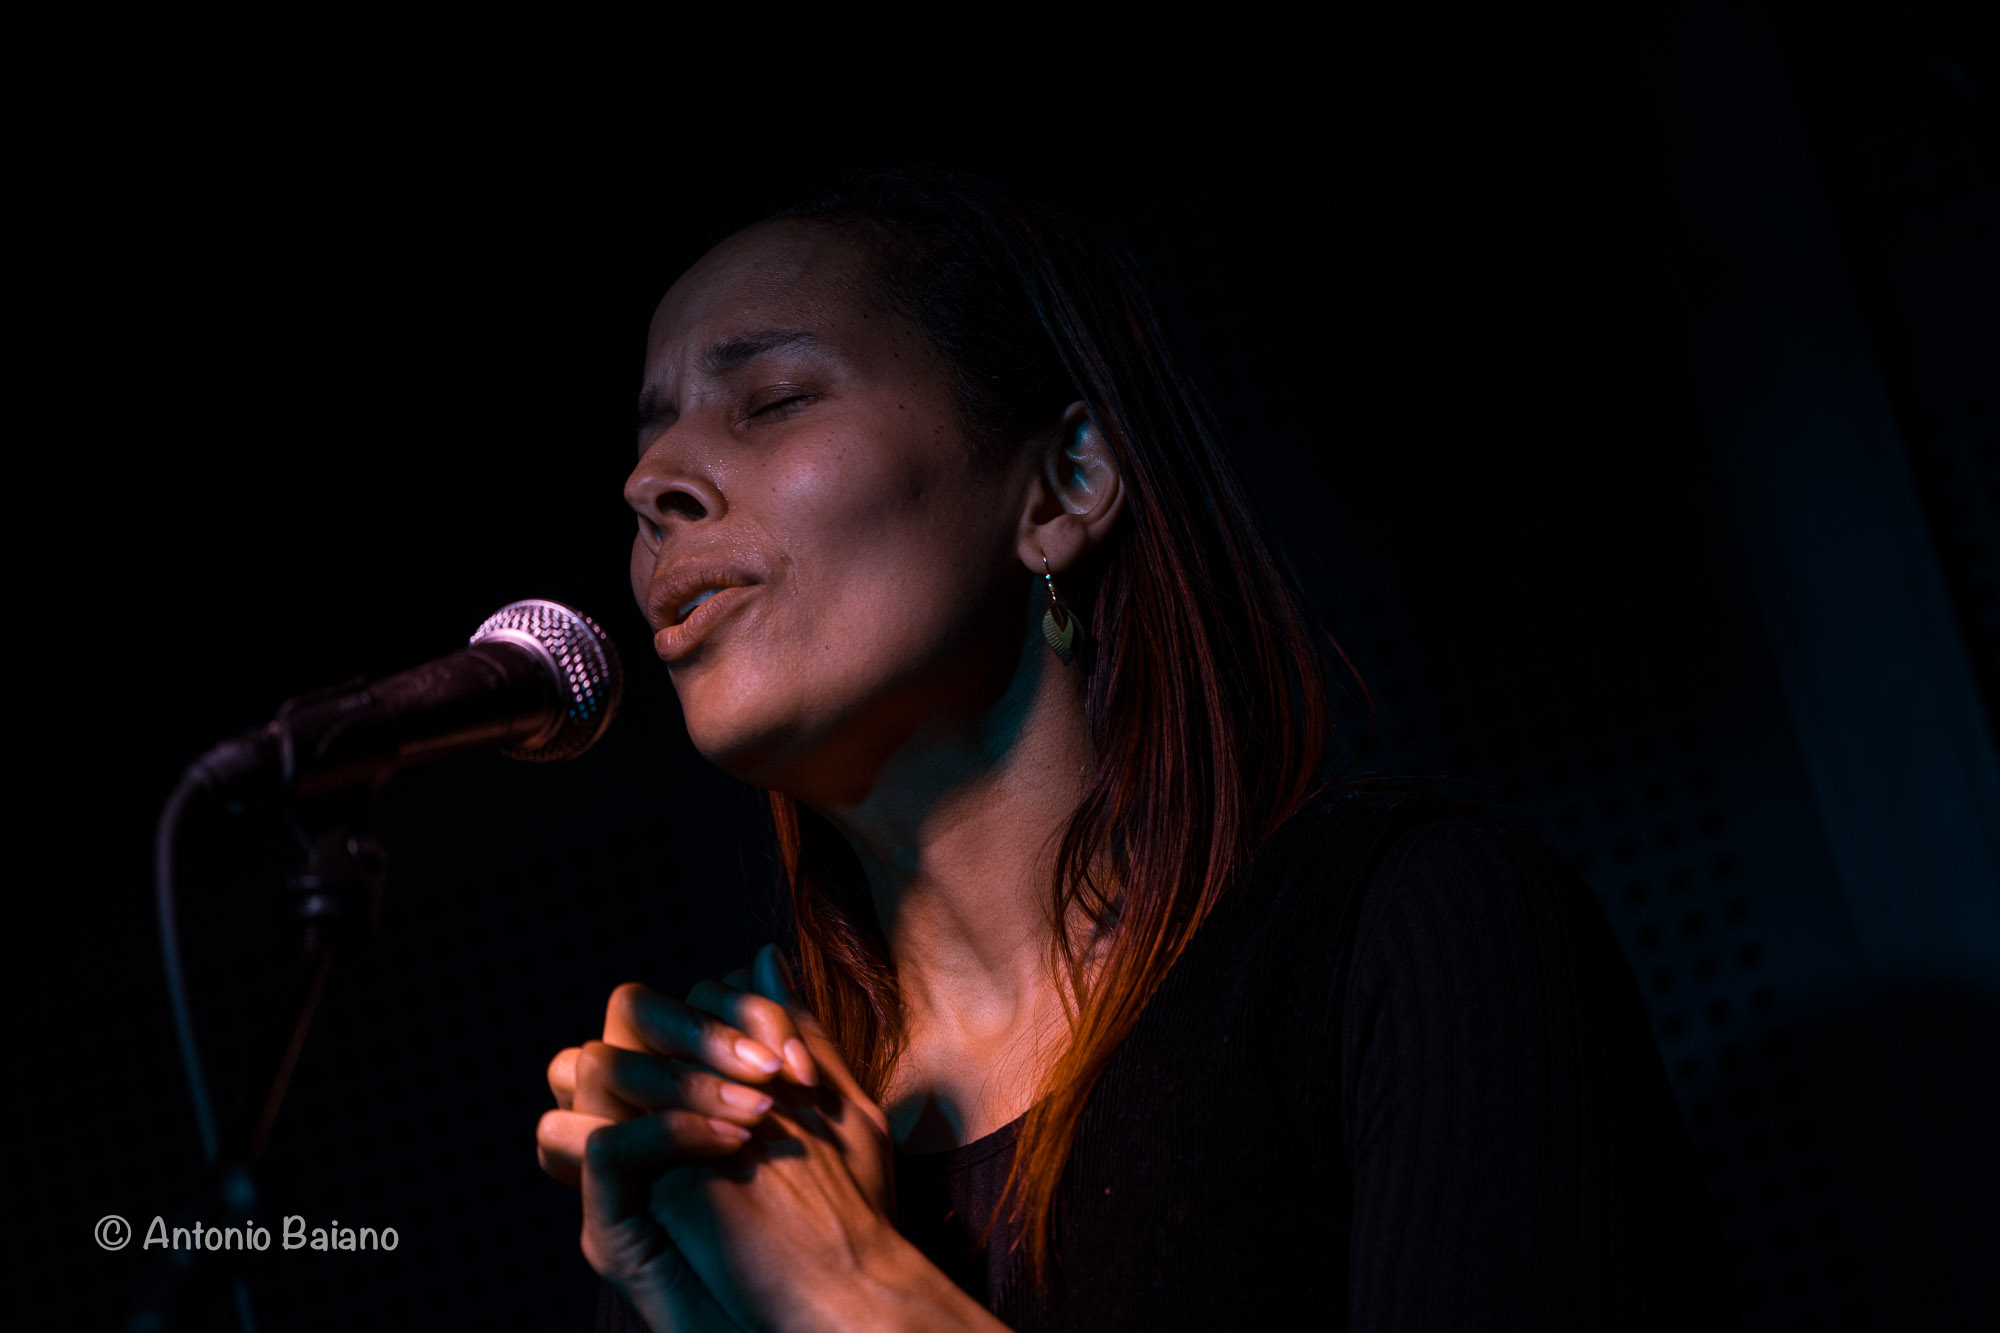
x: 957, y: 833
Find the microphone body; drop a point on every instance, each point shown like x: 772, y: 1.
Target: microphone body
x: 539, y: 680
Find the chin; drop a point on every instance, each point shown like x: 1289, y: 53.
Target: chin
x: 819, y: 741
x: 728, y: 733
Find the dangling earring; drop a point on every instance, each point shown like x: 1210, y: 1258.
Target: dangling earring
x: 1059, y: 626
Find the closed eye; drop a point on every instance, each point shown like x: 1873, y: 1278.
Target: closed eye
x: 785, y: 406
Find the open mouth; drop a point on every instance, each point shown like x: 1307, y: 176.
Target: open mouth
x: 691, y: 621
x: 686, y: 608
x: 693, y: 594
x: 682, y: 610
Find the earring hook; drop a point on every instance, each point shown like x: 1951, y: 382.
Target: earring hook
x: 1059, y: 627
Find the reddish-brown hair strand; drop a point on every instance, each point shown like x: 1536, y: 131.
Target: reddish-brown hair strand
x: 1206, y: 694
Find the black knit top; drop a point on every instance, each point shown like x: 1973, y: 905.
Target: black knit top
x: 1401, y: 1079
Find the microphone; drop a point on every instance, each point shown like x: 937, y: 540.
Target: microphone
x: 539, y: 681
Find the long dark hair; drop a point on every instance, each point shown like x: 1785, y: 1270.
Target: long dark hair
x: 1206, y: 693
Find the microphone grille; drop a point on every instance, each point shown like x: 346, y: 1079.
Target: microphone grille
x: 581, y: 658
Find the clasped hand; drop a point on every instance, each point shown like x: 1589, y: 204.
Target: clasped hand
x: 734, y: 1174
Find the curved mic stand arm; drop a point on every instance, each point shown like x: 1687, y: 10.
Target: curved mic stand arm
x: 335, y: 903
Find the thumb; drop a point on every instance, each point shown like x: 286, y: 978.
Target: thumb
x: 634, y: 1254
x: 772, y: 979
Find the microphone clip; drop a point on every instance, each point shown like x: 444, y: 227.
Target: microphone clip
x: 336, y: 900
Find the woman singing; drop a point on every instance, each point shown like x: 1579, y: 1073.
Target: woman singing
x: 1107, y: 1008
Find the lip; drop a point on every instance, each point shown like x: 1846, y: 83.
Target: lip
x: 676, y: 587
x: 675, y: 642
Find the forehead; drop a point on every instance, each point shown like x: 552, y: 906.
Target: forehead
x: 773, y: 275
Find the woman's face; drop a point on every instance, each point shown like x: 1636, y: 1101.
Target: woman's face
x: 800, y: 449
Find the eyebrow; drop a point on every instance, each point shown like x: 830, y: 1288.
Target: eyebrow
x: 733, y: 353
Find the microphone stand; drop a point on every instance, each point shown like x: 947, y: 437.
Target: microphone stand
x: 335, y: 903
x: 539, y: 678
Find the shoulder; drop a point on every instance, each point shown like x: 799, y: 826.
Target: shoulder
x: 1479, y: 887
x: 1336, y: 824
x: 1362, y: 874
x: 1379, y: 851
x: 1478, y: 872
x: 1344, y: 851
x: 1409, y: 911
x: 1368, y: 894
x: 1281, y: 939
x: 1413, y: 891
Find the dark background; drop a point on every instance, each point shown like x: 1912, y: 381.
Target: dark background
x: 1623, y: 390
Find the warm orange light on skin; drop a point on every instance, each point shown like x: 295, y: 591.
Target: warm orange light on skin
x: 835, y: 470
x: 886, y: 663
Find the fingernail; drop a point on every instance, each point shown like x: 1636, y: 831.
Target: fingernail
x: 799, y: 1060
x: 756, y: 1056
x: 725, y: 1130
x: 745, y: 1099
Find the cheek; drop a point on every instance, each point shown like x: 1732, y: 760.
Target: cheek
x: 854, y: 466
x: 851, y: 515
x: 894, y: 571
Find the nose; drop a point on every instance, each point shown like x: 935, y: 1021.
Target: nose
x: 663, y: 487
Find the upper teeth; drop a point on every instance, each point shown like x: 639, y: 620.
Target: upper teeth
x: 699, y: 598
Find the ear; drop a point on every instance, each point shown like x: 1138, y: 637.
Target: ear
x: 1078, y: 494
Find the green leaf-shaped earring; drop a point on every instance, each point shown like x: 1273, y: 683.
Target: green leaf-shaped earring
x: 1059, y: 625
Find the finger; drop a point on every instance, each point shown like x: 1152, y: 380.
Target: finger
x: 563, y: 1138
x: 826, y: 1057
x: 562, y: 1077
x: 560, y: 1137
x: 621, y: 1161
x: 639, y: 1019
x: 774, y: 977
x: 594, y: 1094
x: 839, y: 1080
x: 774, y: 983
x: 568, y: 1172
x: 654, y: 1083
x: 763, y: 1018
